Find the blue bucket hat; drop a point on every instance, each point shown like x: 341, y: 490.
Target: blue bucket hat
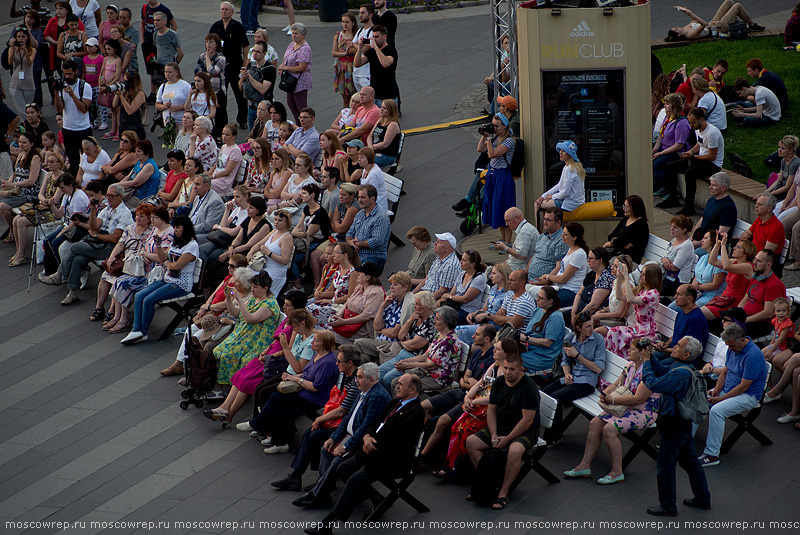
x: 570, y: 148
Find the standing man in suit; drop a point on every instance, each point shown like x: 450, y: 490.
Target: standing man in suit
x: 388, y: 450
x: 207, y: 209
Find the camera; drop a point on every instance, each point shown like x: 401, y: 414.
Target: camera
x: 119, y: 86
x: 57, y: 83
x: 486, y: 129
x: 95, y: 202
x: 365, y: 40
x: 18, y: 43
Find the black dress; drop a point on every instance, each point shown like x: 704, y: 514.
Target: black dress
x: 635, y: 235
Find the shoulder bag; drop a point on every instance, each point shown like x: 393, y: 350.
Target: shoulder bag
x: 621, y: 390
x: 288, y: 82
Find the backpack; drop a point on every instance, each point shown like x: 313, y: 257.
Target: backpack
x: 488, y: 477
x: 250, y: 92
x: 738, y: 30
x: 694, y: 406
x: 517, y: 159
x: 739, y: 165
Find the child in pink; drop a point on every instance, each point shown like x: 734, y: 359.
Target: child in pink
x: 92, y: 65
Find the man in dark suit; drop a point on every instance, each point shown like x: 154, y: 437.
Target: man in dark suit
x: 388, y: 450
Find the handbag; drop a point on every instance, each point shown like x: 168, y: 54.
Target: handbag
x: 113, y: 268
x: 507, y: 331
x: 455, y: 305
x: 349, y: 329
x: 288, y: 387
x: 258, y: 262
x: 221, y: 239
x: 288, y: 82
x: 105, y: 100
x: 621, y: 390
x: 75, y: 234
x: 134, y: 265
x: 156, y: 274
x: 334, y: 402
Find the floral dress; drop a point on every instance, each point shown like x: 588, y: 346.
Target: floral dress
x: 641, y: 325
x: 45, y: 217
x: 28, y: 193
x: 257, y: 179
x: 247, y: 341
x: 126, y: 286
x: 446, y: 354
x: 639, y: 416
x: 207, y: 152
x: 341, y: 285
x: 343, y: 68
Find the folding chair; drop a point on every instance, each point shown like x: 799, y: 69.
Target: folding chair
x: 399, y: 490
x: 746, y: 422
x: 531, y: 459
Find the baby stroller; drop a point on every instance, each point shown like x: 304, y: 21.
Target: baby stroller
x: 201, y: 372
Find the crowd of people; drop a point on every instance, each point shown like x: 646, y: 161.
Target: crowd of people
x: 477, y: 343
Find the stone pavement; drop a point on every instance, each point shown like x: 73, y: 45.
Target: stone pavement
x: 91, y: 432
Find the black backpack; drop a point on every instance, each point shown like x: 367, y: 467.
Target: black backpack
x: 488, y: 477
x: 517, y: 159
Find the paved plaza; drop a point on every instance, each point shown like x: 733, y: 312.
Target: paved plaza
x: 90, y: 432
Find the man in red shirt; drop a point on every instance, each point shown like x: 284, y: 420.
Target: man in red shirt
x: 685, y: 89
x: 767, y: 231
x: 764, y: 288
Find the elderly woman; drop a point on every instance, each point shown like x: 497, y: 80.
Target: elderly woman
x: 297, y: 62
x: 617, y: 311
x: 641, y: 413
x: 416, y: 333
x: 23, y: 186
x: 354, y: 321
x: 344, y: 281
x: 631, y: 235
x: 596, y: 287
x: 258, y: 317
x: 202, y: 145
x: 343, y: 215
x: 247, y: 380
x: 92, y: 161
x: 439, y: 364
x: 394, y: 312
x: 467, y: 294
x: 423, y: 255
x: 310, y: 394
x: 678, y: 263
x: 571, y: 270
x: 544, y: 333
x: 709, y: 280
x: 497, y: 292
x: 130, y: 248
x: 142, y: 182
x: 584, y: 358
x: 644, y: 298
x: 739, y: 267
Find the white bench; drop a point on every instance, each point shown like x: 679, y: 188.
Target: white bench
x: 394, y: 189
x: 183, y: 304
x: 656, y: 248
x: 531, y: 459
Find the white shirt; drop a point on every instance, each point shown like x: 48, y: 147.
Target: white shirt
x: 75, y: 120
x: 77, y: 203
x: 91, y: 171
x: 362, y: 33
x: 86, y: 14
x: 711, y: 138
x: 580, y: 261
x: 715, y: 110
x: 375, y: 177
x: 177, y: 94
x: 771, y: 106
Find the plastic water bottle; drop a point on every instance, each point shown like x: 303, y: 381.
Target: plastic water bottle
x: 714, y: 31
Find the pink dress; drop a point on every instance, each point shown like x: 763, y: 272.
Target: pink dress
x: 638, y: 416
x: 642, y: 324
x: 277, y: 182
x: 250, y: 376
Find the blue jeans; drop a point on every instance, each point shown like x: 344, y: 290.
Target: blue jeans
x: 719, y: 413
x: 754, y: 121
x: 249, y: 11
x: 144, y: 305
x: 677, y: 447
x: 251, y: 117
x: 389, y: 373
x: 381, y: 160
x: 566, y: 296
x: 659, y: 168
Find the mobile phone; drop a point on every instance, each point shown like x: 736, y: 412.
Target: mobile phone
x: 365, y: 40
x: 567, y: 344
x: 493, y: 242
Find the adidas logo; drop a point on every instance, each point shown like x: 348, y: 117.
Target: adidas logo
x: 581, y: 30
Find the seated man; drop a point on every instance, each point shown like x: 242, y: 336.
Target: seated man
x: 549, y: 248
x: 764, y: 287
x: 370, y: 230
x: 766, y: 232
x: 348, y: 436
x: 341, y: 400
x: 517, y: 306
x: 521, y: 251
x: 738, y: 388
x: 690, y: 321
x: 791, y: 33
x: 759, y: 106
x: 720, y: 211
x: 304, y: 140
x: 365, y: 118
x: 207, y: 208
x: 388, y: 451
x: 512, y: 423
x: 445, y: 268
x: 104, y: 231
x: 770, y: 80
x: 714, y: 76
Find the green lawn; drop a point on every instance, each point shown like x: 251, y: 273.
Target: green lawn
x: 752, y: 144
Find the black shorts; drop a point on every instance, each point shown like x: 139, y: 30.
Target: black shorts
x: 527, y: 439
x: 447, y: 401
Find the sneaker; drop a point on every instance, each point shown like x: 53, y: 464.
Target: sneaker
x: 103, y: 126
x: 277, y: 449
x: 757, y: 27
x: 267, y: 442
x: 133, y: 337
x: 254, y: 434
x: 787, y: 418
x: 289, y: 31
x: 288, y: 28
x: 250, y: 32
x: 709, y: 460
x: 54, y: 279
x: 463, y: 204
x: 244, y: 426
x: 85, y: 278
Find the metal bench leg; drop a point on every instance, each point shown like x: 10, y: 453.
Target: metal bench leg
x: 537, y: 467
x: 745, y: 425
x: 181, y: 314
x: 641, y: 443
x: 413, y: 502
x: 397, y: 241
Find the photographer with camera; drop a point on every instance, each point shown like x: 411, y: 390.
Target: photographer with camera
x: 73, y: 98
x: 129, y: 98
x: 257, y: 82
x: 21, y: 54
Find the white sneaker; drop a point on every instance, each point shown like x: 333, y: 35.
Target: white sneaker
x: 244, y: 426
x: 267, y: 441
x: 788, y: 418
x: 289, y: 31
x: 54, y: 279
x: 104, y: 126
x: 85, y: 278
x: 277, y: 449
x: 288, y: 28
x: 133, y: 337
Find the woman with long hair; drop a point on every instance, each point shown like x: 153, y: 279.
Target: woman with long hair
x: 660, y: 88
x: 277, y: 250
x: 385, y: 136
x: 127, y: 48
x: 617, y: 312
x: 35, y: 124
x: 228, y: 161
x: 279, y: 176
x: 569, y: 193
x: 41, y: 63
x: 142, y: 182
x: 291, y: 193
x: 740, y: 269
x: 570, y: 270
x: 23, y: 185
x: 129, y: 104
x: 469, y: 287
x: 332, y: 153
x: 343, y: 52
x: 20, y: 56
x: 180, y: 206
x: 500, y: 191
x: 644, y: 298
x: 213, y: 62
x: 672, y: 139
x: 258, y: 172
x: 202, y: 98
x: 785, y: 186
x: 544, y: 333
x: 123, y: 160
x: 344, y: 282
x: 184, y: 136
x: 71, y: 43
x: 632, y: 232
x: 494, y: 302
x: 277, y: 116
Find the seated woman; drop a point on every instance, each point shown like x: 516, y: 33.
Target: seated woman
x: 291, y: 193
x: 228, y: 161
x: 123, y: 160
x: 641, y: 413
x: 228, y: 228
x: 344, y: 214
x: 544, y: 333
x: 569, y: 193
x: 178, y: 279
x: 631, y: 235
x: 257, y: 319
x: 785, y: 186
x: 92, y: 161
x: 354, y: 169
x: 312, y: 229
x: 325, y: 288
x: 423, y: 255
x: 678, y: 263
x: 593, y: 293
x: 346, y: 116
x: 247, y: 380
x: 184, y: 136
x: 23, y: 186
x: 740, y: 270
x: 469, y: 288
x: 130, y: 248
x: 698, y: 28
x: 279, y: 176
x: 260, y: 166
x: 644, y: 298
x: 709, y: 280
x: 333, y: 155
x: 497, y: 292
x: 74, y: 204
x: 354, y: 321
x: 570, y: 270
x: 439, y: 363
x: 202, y: 144
x: 672, y: 139
x: 395, y: 310
x: 176, y: 161
x: 617, y: 312
x: 583, y: 360
x: 344, y: 281
x: 385, y: 136
x: 49, y: 196
x: 180, y: 205
x: 276, y: 251
x: 142, y: 182
x: 277, y: 417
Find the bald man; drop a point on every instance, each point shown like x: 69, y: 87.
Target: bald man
x: 525, y: 239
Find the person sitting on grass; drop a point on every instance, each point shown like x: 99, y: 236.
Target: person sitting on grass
x: 759, y: 105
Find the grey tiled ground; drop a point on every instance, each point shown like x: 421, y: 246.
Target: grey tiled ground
x: 91, y: 432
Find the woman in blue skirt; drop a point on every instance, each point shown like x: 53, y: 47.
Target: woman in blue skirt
x: 500, y: 192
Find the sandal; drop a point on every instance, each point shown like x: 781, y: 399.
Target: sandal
x: 9, y: 239
x: 108, y: 325
x: 120, y: 329
x: 500, y: 504
x: 108, y: 135
x: 442, y: 473
x: 109, y: 317
x: 18, y: 261
x: 98, y: 314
